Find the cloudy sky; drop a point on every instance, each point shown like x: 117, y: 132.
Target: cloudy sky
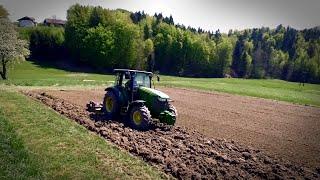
x: 208, y: 14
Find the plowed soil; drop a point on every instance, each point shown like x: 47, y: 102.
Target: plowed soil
x: 279, y: 129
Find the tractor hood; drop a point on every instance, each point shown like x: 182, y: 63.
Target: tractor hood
x: 154, y: 92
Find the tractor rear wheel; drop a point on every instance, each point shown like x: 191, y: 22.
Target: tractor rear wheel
x: 140, y: 118
x: 111, y: 105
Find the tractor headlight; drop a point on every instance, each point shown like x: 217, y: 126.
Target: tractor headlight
x: 162, y: 99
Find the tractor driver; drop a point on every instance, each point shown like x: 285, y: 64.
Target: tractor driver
x: 131, y: 83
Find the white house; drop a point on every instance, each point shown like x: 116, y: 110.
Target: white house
x: 27, y: 22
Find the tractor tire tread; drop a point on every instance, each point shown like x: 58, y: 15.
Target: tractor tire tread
x: 146, y: 122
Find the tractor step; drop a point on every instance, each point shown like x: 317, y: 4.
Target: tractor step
x: 123, y: 111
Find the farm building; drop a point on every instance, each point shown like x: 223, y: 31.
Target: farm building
x: 27, y: 22
x: 54, y: 22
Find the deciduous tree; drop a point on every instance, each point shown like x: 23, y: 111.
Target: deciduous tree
x: 12, y: 48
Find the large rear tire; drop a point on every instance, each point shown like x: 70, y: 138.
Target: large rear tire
x: 140, y: 118
x: 111, y: 105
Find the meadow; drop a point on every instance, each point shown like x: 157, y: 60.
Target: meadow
x: 29, y: 74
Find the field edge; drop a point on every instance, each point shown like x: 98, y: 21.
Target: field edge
x: 61, y: 148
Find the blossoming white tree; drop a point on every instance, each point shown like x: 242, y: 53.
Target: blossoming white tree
x: 12, y: 49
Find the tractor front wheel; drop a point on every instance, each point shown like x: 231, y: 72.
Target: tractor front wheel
x: 140, y: 118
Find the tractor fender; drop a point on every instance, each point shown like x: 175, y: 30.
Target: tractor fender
x: 110, y: 89
x: 117, y: 93
x: 114, y: 90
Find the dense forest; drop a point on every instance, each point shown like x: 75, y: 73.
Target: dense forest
x: 110, y: 39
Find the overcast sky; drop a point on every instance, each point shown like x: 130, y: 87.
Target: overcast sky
x: 208, y: 14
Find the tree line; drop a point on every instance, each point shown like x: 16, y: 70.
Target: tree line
x: 283, y: 53
x: 120, y: 39
x: 108, y: 39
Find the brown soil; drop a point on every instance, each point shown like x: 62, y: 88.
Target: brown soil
x: 281, y: 129
x: 182, y: 152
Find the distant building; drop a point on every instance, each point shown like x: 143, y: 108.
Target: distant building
x: 54, y: 22
x: 27, y: 22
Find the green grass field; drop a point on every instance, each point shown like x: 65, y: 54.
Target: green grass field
x: 38, y: 143
x: 309, y: 94
x: 29, y: 74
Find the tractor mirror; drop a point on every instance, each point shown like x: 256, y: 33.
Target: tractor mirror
x: 158, y: 78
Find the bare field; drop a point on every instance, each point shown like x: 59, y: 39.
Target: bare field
x: 285, y: 130
x: 181, y: 152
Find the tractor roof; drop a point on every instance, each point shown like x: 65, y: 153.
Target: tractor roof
x: 131, y: 70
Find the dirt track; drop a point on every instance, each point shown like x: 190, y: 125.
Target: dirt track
x: 182, y: 152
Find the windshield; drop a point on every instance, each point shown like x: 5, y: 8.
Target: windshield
x: 143, y: 79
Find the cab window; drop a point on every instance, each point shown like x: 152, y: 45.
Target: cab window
x: 143, y: 79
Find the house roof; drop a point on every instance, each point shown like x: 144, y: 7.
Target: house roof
x: 54, y: 21
x: 27, y: 18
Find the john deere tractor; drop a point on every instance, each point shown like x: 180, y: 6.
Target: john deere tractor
x: 133, y: 98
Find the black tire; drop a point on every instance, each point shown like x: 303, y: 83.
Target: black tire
x: 111, y: 109
x: 144, y: 122
x: 172, y: 109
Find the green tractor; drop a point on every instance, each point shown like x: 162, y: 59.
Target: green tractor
x: 133, y: 98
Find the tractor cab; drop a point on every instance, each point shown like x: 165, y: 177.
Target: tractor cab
x: 132, y: 79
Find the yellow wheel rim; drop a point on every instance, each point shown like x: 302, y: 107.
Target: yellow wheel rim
x: 109, y: 104
x: 137, y: 118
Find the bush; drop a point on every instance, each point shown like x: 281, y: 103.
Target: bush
x: 45, y: 41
